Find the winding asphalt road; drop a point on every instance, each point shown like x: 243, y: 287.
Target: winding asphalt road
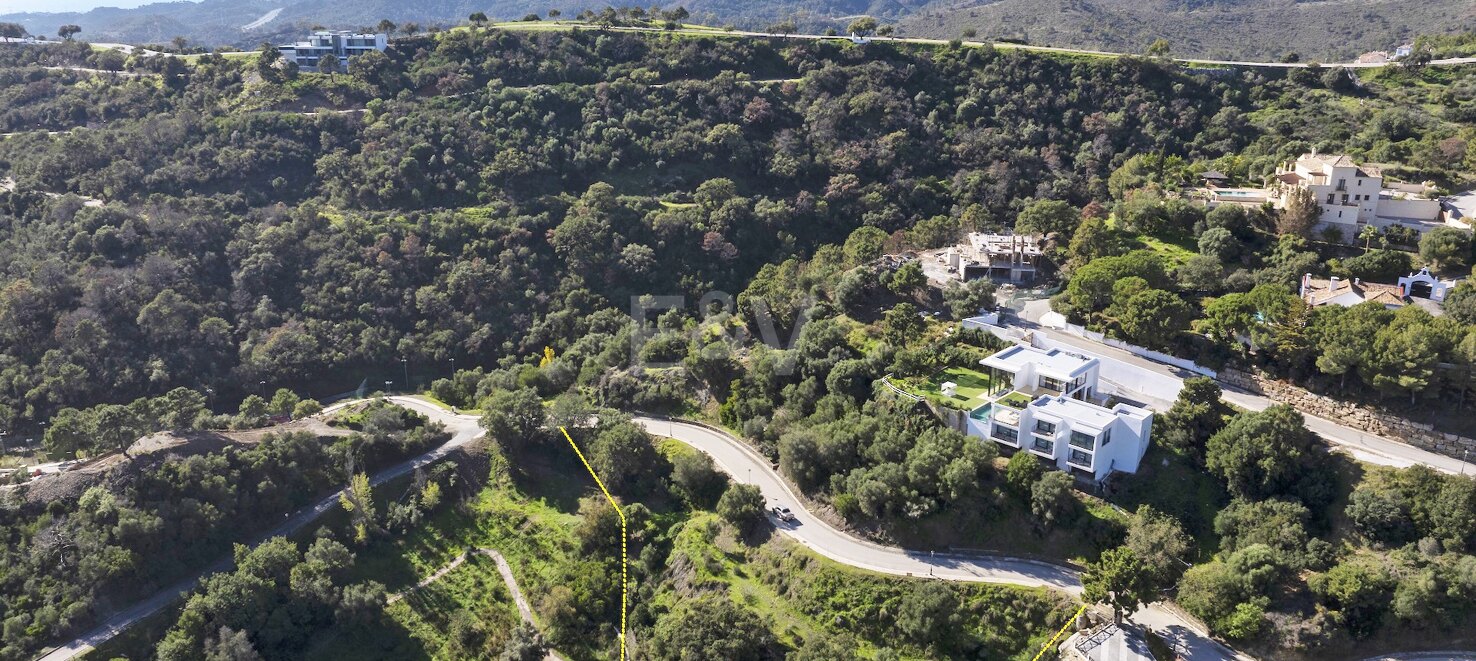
x: 741, y: 462
x: 464, y: 429
x: 738, y: 460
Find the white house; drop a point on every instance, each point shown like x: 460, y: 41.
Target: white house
x: 1046, y: 403
x: 1353, y: 196
x: 342, y: 43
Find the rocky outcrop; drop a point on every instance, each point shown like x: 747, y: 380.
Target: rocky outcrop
x: 1358, y: 416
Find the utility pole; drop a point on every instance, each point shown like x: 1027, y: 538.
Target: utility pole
x: 405, y: 363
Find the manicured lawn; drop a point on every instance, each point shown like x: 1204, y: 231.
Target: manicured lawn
x: 972, y: 384
x: 1015, y: 400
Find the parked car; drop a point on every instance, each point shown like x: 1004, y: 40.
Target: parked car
x: 783, y: 513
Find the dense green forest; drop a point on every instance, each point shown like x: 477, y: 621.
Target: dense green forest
x: 479, y: 212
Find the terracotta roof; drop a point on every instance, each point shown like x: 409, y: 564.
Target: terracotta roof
x: 1322, y: 292
x: 1336, y: 160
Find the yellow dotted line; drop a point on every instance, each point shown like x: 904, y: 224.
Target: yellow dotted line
x: 624, y: 581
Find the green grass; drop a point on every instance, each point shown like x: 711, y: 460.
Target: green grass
x: 1015, y: 400
x: 972, y: 384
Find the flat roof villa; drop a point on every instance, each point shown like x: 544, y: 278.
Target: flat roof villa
x: 342, y: 43
x: 1046, y: 403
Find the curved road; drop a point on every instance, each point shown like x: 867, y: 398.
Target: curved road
x: 464, y: 429
x: 740, y: 461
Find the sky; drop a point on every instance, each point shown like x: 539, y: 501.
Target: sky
x: 13, y: 6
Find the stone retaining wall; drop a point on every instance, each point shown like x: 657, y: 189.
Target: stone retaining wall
x: 1357, y: 416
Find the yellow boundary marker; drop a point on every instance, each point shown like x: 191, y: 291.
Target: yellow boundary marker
x: 1052, y: 641
x: 624, y: 583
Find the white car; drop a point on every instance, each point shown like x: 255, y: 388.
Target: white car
x: 782, y: 512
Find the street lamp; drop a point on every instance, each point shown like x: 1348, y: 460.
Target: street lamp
x: 387, y: 385
x: 453, y: 368
x: 405, y: 363
x: 263, y: 388
x: 1463, y: 461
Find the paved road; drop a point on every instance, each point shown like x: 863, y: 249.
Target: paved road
x: 717, y: 32
x: 739, y: 461
x: 1363, y: 446
x: 464, y: 429
x: 1012, y: 46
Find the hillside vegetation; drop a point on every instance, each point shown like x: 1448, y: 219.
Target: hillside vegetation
x: 1329, y: 30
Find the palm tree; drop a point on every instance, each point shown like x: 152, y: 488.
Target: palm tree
x: 1368, y: 234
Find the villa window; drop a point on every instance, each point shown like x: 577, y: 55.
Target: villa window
x: 1006, y: 434
x: 1345, y: 199
x: 1082, y: 440
x: 1342, y: 184
x: 1329, y: 198
x: 1106, y: 436
x: 1043, y: 427
x: 1081, y: 458
x: 1042, y: 445
x: 1047, y: 383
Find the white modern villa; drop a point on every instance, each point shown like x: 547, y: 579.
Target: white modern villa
x: 342, y: 43
x: 1046, y: 403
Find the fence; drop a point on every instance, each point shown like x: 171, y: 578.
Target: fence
x: 1136, y: 350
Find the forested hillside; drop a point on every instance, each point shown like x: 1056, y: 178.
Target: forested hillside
x: 479, y: 212
x: 1330, y: 30
x: 484, y: 206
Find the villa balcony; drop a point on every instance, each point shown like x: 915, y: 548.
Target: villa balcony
x: 1079, y: 459
x: 1043, y: 447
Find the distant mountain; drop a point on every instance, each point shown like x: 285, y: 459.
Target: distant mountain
x: 1327, y: 30
x: 1259, y: 29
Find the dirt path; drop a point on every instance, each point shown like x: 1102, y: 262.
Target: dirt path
x: 507, y: 577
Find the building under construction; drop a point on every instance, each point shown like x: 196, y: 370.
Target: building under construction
x: 1012, y: 258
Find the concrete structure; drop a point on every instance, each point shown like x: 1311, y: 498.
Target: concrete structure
x: 1352, y: 196
x: 1106, y: 642
x: 1423, y: 285
x: 1012, y: 258
x: 1404, y: 51
x: 342, y: 43
x: 1046, y: 402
